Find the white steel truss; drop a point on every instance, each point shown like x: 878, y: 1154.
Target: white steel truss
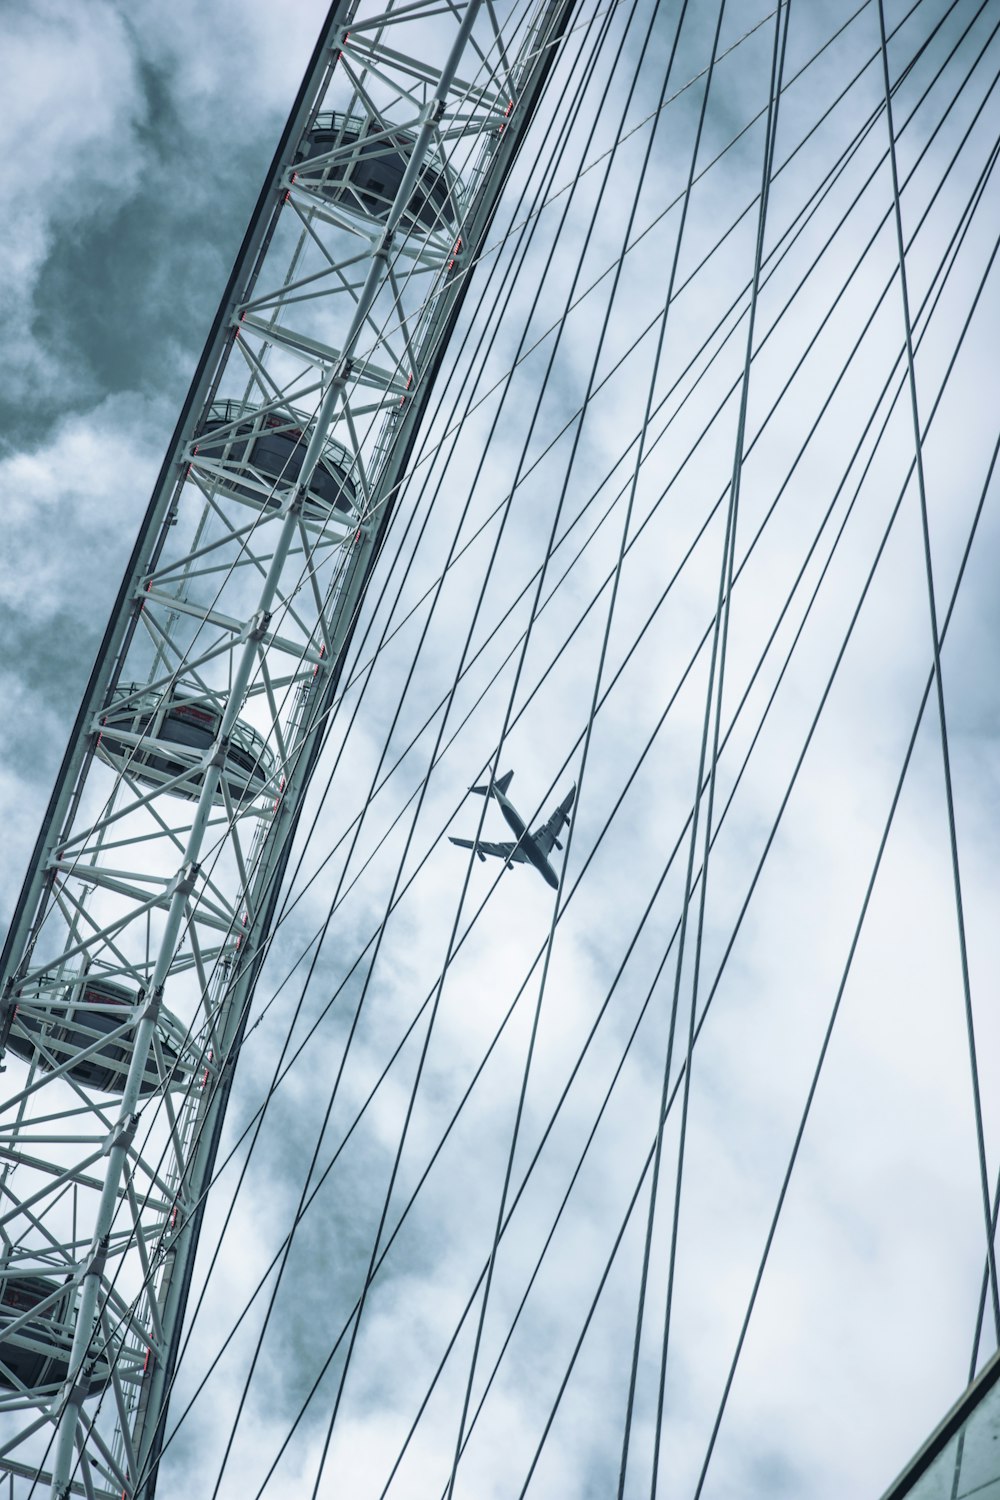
x: 131, y: 961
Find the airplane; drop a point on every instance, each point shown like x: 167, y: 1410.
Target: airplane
x: 531, y: 848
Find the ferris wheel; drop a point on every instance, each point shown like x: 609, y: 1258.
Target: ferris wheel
x: 599, y: 399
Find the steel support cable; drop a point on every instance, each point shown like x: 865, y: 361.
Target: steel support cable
x: 777, y: 69
x: 360, y: 1003
x: 983, y: 1293
x: 434, y: 754
x: 404, y: 1215
x: 523, y: 591
x: 924, y: 149
x: 735, y: 139
x: 828, y: 44
x: 896, y: 510
x: 549, y: 945
x: 840, y: 991
x: 942, y: 717
x: 864, y: 131
x: 718, y: 637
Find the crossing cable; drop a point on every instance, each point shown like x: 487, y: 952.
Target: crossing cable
x: 777, y: 68
x: 558, y: 510
x: 918, y: 228
x: 729, y: 529
x: 865, y: 129
x: 942, y: 719
x: 704, y: 1013
x: 731, y: 796
x: 360, y: 1004
x: 760, y: 865
x: 515, y: 1134
x: 843, y: 983
x: 826, y: 111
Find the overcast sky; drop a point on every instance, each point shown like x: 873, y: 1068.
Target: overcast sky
x: 134, y: 140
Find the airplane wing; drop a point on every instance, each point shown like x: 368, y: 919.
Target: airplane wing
x: 547, y: 837
x: 501, y: 851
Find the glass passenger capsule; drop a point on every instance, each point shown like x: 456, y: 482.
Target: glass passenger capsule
x: 261, y: 454
x: 368, y: 168
x: 73, y: 1029
x: 36, y: 1354
x: 155, y: 737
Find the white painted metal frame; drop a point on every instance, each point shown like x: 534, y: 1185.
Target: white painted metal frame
x: 130, y: 964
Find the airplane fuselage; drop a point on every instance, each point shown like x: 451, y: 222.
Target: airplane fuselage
x: 527, y: 844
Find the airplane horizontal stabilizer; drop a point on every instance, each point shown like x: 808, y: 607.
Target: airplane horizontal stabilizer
x: 501, y: 784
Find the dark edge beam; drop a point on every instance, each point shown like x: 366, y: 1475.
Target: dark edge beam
x: 946, y: 1429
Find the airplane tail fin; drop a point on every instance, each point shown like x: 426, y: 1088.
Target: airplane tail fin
x: 501, y: 784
